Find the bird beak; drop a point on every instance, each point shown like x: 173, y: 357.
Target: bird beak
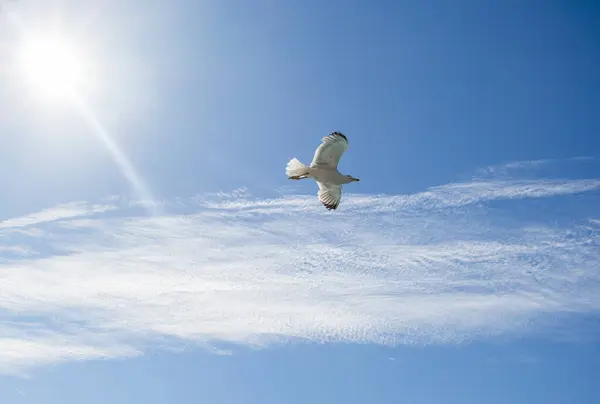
x: 356, y: 179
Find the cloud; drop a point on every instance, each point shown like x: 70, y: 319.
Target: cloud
x: 16, y: 250
x: 527, y: 166
x: 503, y: 169
x: 28, y: 349
x: 441, y: 197
x: 440, y: 266
x: 64, y: 211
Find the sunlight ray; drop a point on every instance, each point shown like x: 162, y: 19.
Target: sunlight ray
x: 139, y: 187
x: 120, y: 158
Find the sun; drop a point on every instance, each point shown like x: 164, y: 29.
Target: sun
x: 51, y: 67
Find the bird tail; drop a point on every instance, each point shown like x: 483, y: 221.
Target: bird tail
x: 295, y: 168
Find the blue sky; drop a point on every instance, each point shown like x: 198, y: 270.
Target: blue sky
x: 152, y: 249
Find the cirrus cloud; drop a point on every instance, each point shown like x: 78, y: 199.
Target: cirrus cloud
x: 441, y: 266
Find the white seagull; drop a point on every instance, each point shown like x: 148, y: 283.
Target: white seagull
x: 324, y: 169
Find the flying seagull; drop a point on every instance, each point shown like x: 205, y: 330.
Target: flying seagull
x: 324, y: 169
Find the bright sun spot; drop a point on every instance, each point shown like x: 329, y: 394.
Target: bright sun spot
x: 51, y: 67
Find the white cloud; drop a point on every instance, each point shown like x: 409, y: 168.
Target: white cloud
x: 504, y: 169
x: 64, y: 211
x: 437, y: 266
x: 521, y: 167
x: 16, y: 250
x: 29, y: 347
x: 441, y: 197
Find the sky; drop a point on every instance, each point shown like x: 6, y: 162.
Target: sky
x: 152, y: 249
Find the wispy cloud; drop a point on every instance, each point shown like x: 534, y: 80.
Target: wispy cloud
x: 16, y: 250
x: 438, y: 266
x: 504, y: 169
x: 528, y: 166
x: 64, y: 211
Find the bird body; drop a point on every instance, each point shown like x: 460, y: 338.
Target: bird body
x: 323, y: 169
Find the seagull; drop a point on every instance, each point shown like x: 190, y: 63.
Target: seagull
x: 323, y: 169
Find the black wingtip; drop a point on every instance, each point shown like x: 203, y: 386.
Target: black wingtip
x: 339, y: 134
x: 330, y: 207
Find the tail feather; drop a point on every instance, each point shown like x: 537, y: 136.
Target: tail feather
x: 295, y: 168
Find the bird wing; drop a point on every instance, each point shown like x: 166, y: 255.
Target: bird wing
x: 330, y: 195
x: 330, y: 150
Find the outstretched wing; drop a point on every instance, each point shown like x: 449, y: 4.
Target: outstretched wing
x: 330, y: 150
x: 330, y: 195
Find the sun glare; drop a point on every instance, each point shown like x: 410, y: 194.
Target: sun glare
x: 51, y: 67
